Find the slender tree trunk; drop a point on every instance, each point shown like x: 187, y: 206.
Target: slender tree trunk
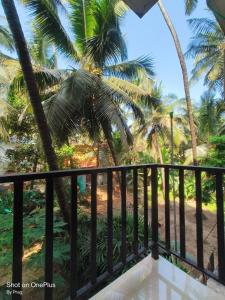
x: 108, y: 136
x: 24, y: 58
x: 161, y: 162
x: 224, y: 75
x: 97, y: 155
x: 185, y: 78
x: 34, y: 169
x: 109, y: 139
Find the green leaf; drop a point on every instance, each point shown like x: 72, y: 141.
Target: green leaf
x: 132, y: 70
x: 190, y: 6
x: 48, y: 22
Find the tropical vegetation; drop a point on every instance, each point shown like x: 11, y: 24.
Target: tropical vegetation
x: 101, y: 109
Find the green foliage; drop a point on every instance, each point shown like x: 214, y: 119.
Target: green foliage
x: 190, y: 6
x: 210, y: 116
x: 31, y: 199
x: 216, y: 155
x: 46, y: 19
x: 34, y: 234
x: 22, y: 158
x: 6, y: 240
x: 6, y: 39
x: 189, y: 187
x: 6, y: 200
x: 25, y: 153
x: 84, y: 221
x: 63, y: 153
x: 208, y: 188
x: 206, y: 48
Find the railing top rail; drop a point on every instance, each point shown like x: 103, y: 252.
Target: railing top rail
x: 85, y: 171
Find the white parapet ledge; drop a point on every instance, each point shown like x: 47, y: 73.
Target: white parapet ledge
x: 157, y: 280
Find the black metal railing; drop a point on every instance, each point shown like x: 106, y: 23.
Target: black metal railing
x: 149, y: 188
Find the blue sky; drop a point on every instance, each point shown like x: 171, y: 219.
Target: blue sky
x: 150, y: 35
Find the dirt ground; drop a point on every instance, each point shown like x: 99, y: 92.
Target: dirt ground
x: 209, y: 222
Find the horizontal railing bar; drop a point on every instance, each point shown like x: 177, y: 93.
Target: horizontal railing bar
x: 86, y: 171
x: 65, y: 173
x: 191, y: 263
x: 192, y: 168
x: 96, y: 281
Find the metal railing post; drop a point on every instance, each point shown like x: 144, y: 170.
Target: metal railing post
x: 154, y: 187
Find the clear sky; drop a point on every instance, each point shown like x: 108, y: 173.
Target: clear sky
x: 150, y: 35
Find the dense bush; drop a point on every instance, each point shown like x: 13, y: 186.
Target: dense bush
x: 31, y: 200
x: 34, y: 235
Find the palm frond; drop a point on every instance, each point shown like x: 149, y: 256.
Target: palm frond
x: 60, y: 5
x: 5, y: 108
x: 132, y: 70
x: 206, y: 48
x: 135, y: 92
x: 83, y: 103
x: 6, y: 39
x: 48, y: 22
x: 45, y: 79
x: 107, y: 44
x: 120, y: 97
x: 190, y: 6
x: 82, y: 21
x: 203, y: 25
x: 39, y: 48
x: 120, y: 8
x: 130, y: 88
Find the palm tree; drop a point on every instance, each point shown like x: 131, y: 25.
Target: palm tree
x: 207, y: 49
x: 6, y: 40
x: 210, y: 118
x: 157, y: 128
x: 210, y: 122
x: 15, y: 26
x: 93, y: 97
x: 190, y: 6
x: 184, y: 73
x: 4, y: 109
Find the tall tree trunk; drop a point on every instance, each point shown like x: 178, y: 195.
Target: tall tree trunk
x: 107, y: 133
x: 185, y: 78
x: 108, y: 136
x: 157, y: 145
x: 98, y: 155
x: 224, y: 75
x: 24, y: 58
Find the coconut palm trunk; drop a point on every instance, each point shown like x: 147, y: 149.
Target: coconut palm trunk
x: 224, y: 76
x: 185, y: 78
x: 108, y: 135
x: 157, y: 145
x: 24, y: 58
